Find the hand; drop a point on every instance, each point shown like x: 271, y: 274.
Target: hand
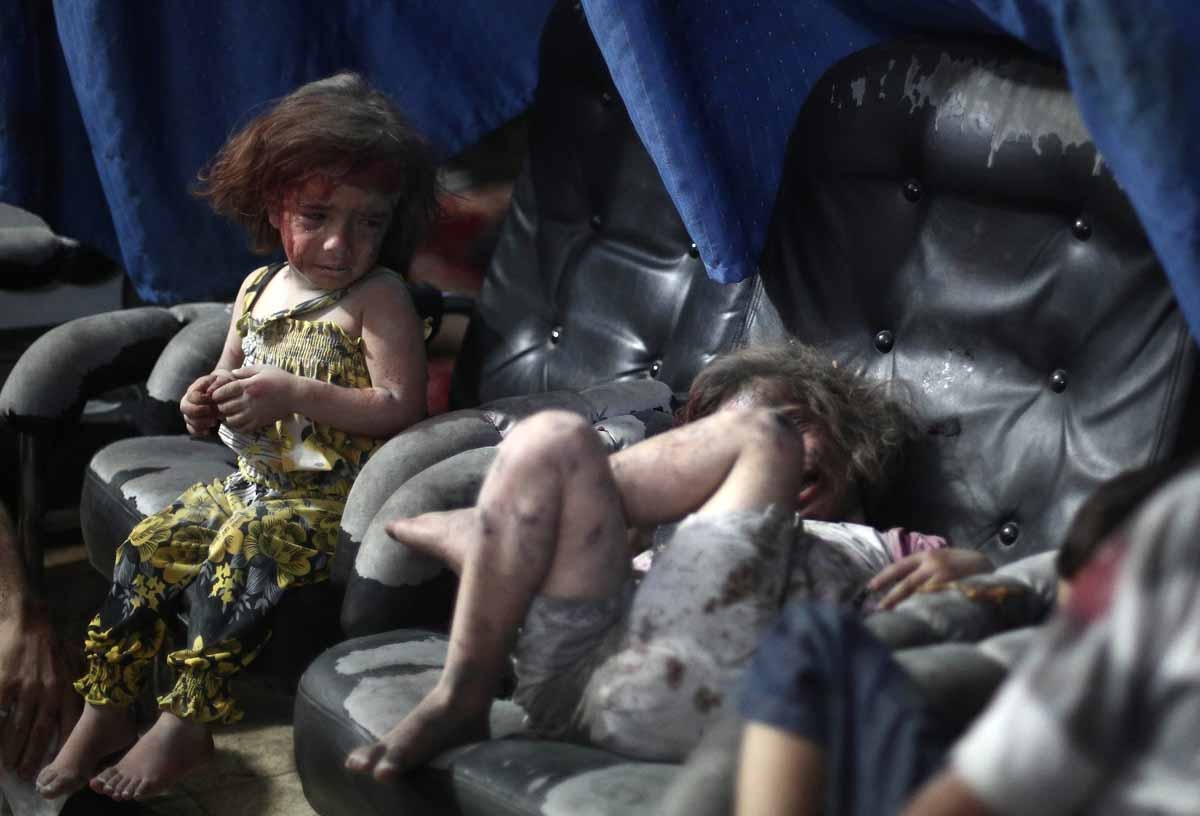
x: 925, y: 569
x: 199, y: 410
x: 34, y: 690
x: 256, y: 396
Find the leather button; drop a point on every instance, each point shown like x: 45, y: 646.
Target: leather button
x: 556, y: 334
x: 884, y: 341
x: 1009, y: 533
x: 694, y: 251
x: 1058, y: 381
x: 912, y: 190
x: 1082, y: 228
x: 597, y: 222
x: 655, y: 367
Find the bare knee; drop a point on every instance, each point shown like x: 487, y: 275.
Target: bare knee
x: 552, y: 442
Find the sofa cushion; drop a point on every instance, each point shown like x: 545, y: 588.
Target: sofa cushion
x: 946, y: 224
x: 359, y: 689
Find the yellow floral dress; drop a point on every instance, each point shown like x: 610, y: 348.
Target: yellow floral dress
x: 234, y: 546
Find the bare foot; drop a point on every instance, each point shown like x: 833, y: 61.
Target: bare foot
x: 101, y: 730
x: 435, y: 725
x: 442, y: 534
x: 169, y: 750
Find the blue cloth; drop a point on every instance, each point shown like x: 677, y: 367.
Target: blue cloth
x: 820, y: 675
x: 109, y: 108
x: 159, y: 86
x: 714, y: 87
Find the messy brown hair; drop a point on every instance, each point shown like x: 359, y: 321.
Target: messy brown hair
x: 339, y: 125
x: 867, y: 430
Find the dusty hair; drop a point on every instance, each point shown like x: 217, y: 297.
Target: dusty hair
x: 339, y: 125
x: 1107, y: 509
x: 867, y: 430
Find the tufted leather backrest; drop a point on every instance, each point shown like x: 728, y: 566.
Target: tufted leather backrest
x: 594, y: 277
x: 945, y: 221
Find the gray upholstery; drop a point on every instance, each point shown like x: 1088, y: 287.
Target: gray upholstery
x: 358, y: 689
x: 982, y: 255
x: 88, y: 356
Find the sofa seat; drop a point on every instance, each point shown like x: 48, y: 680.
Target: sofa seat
x: 133, y: 478
x: 360, y: 688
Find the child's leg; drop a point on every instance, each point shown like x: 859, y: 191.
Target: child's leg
x: 551, y: 520
x: 548, y: 520
x: 152, y: 568
x: 259, y: 552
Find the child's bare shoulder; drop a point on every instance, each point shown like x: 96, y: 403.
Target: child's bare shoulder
x: 384, y: 288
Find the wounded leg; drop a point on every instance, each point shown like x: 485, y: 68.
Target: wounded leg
x: 548, y: 522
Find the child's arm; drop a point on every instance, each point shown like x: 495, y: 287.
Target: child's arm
x: 199, y: 410
x: 779, y: 772
x: 394, y: 346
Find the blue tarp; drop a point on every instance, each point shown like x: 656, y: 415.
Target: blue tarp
x: 159, y: 86
x: 109, y: 108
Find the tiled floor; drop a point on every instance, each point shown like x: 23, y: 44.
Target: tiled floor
x: 253, y: 773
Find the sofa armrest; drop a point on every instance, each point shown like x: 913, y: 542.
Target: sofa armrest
x: 1016, y: 595
x: 191, y: 353
x: 70, y: 363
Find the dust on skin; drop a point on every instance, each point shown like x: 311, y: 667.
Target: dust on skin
x: 706, y: 699
x: 675, y: 672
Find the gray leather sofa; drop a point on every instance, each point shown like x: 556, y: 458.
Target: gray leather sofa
x: 944, y: 222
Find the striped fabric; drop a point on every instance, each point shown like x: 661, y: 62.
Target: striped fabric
x: 1103, y: 716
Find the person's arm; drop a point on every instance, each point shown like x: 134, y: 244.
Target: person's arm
x: 198, y: 407
x: 779, y: 772
x: 35, y: 695
x: 947, y: 794
x: 393, y: 343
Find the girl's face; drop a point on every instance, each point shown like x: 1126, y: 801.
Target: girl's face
x: 331, y: 229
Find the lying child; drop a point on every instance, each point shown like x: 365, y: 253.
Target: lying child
x: 774, y: 436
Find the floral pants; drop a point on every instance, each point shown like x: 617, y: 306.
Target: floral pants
x: 233, y: 559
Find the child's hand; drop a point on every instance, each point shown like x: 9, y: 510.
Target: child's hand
x: 926, y: 569
x: 256, y: 396
x: 198, y: 408
x: 220, y: 376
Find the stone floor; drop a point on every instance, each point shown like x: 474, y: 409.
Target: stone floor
x: 253, y: 774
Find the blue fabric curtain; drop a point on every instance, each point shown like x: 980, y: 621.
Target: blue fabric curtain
x: 109, y: 108
x: 714, y: 86
x: 157, y: 87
